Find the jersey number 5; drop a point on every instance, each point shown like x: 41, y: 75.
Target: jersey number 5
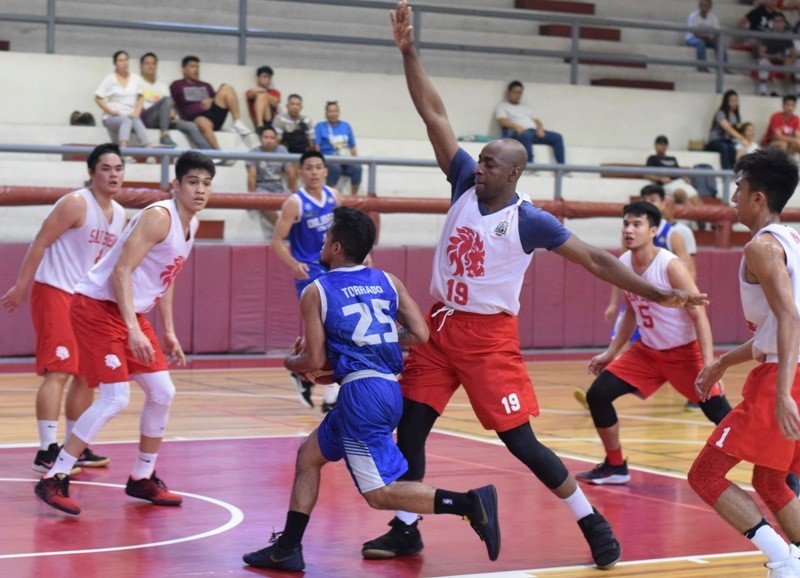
x: 366, y: 316
x: 647, y: 320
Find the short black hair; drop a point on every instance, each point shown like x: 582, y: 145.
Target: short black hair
x: 643, y: 209
x: 771, y: 171
x: 789, y: 97
x: 294, y: 95
x: 269, y: 127
x: 99, y: 151
x: 355, y: 231
x: 652, y: 189
x: 661, y: 139
x: 145, y: 55
x: 117, y: 54
x: 312, y: 155
x: 514, y: 84
x: 194, y: 160
x: 264, y: 70
x: 187, y: 59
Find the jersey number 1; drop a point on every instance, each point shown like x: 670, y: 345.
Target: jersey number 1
x: 366, y: 317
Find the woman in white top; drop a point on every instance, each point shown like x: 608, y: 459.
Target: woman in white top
x: 120, y: 97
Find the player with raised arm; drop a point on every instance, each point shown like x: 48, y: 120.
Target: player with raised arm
x: 79, y: 229
x: 117, y: 342
x: 674, y: 345
x: 486, y: 245
x: 305, y: 217
x: 350, y: 317
x: 764, y: 429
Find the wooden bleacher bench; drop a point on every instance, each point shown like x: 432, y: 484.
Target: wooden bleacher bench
x: 633, y: 83
x: 564, y: 6
x: 585, y: 32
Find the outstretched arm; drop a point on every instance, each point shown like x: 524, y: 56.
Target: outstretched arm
x: 426, y: 99
x: 605, y: 266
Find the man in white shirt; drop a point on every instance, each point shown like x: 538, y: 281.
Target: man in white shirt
x: 518, y: 122
x: 704, y: 18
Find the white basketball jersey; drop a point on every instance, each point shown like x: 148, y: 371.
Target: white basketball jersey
x: 760, y: 318
x: 157, y: 270
x: 660, y: 327
x: 479, y: 264
x: 66, y: 261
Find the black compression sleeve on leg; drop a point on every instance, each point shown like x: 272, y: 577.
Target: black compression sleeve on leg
x: 716, y: 408
x: 605, y: 389
x: 412, y: 431
x: 547, y: 466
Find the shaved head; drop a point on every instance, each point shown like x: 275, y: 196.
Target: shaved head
x: 508, y: 151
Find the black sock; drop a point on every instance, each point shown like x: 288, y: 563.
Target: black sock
x: 292, y: 535
x: 445, y: 502
x: 752, y: 531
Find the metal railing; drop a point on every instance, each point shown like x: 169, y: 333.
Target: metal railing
x: 559, y: 171
x: 242, y: 32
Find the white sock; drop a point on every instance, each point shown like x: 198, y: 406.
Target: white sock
x: 145, y: 465
x: 48, y: 430
x: 407, y: 518
x: 64, y: 464
x: 331, y: 393
x: 762, y: 88
x: 578, y: 504
x: 768, y: 541
x: 70, y: 426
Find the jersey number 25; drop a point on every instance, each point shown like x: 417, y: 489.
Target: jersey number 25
x: 378, y: 313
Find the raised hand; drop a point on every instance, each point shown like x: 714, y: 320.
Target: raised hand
x: 401, y: 26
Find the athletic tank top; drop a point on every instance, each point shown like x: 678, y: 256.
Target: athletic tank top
x: 66, y: 261
x: 660, y: 327
x: 359, y: 309
x: 760, y: 318
x: 662, y: 235
x: 308, y: 234
x: 479, y: 263
x: 157, y: 270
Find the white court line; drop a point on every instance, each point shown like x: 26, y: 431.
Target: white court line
x: 534, y: 572
x: 175, y: 439
x: 236, y: 518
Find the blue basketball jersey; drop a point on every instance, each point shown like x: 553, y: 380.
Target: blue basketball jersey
x: 308, y: 234
x: 359, y: 309
x: 662, y: 238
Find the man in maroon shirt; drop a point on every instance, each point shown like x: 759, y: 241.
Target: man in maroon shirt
x: 197, y: 101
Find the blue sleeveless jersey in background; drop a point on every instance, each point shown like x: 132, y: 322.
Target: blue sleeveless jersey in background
x: 359, y: 308
x: 662, y: 239
x: 307, y: 234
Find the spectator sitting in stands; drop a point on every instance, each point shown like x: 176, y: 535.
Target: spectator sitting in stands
x: 158, y: 111
x: 263, y: 100
x: 748, y: 129
x: 120, y: 97
x: 197, y: 101
x: 778, y: 51
x: 295, y: 130
x: 784, y: 127
x: 759, y: 19
x: 519, y: 123
x: 671, y: 185
x: 702, y: 17
x: 335, y: 137
x: 723, y: 131
x: 266, y: 176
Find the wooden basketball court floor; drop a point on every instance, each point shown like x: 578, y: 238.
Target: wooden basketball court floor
x: 230, y: 450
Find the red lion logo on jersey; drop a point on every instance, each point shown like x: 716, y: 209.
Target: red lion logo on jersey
x: 169, y: 274
x: 466, y: 252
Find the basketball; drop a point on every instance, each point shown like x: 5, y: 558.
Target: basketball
x: 322, y: 377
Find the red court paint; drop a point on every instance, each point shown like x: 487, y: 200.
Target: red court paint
x: 654, y: 516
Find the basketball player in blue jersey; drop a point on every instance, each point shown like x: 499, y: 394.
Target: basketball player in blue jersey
x: 305, y: 217
x: 350, y: 318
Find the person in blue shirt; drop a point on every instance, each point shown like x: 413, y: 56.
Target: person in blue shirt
x: 335, y: 137
x: 305, y: 217
x: 350, y: 317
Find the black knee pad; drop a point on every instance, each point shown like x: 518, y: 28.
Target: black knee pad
x: 547, y: 466
x: 604, y: 390
x: 716, y: 408
x: 412, y: 432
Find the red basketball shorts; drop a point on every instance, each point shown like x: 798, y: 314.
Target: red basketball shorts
x: 648, y: 369
x: 480, y: 352
x: 56, y: 347
x: 103, y: 342
x: 750, y: 433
